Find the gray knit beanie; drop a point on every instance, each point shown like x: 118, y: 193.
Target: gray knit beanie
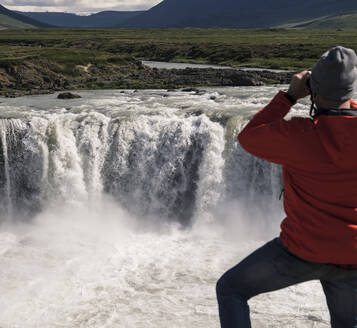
x: 334, y: 76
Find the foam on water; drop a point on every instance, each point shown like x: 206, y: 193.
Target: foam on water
x: 127, y: 207
x: 91, y: 270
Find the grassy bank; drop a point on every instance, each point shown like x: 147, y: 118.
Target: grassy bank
x: 65, y: 52
x: 290, y: 49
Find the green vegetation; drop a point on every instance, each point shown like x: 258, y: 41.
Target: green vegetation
x: 271, y: 48
x: 35, y: 57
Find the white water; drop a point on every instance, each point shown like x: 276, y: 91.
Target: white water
x: 104, y: 247
x: 7, y: 186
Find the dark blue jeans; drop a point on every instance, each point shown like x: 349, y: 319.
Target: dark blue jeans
x: 273, y: 267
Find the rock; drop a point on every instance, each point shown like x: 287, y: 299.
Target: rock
x: 197, y: 112
x: 213, y: 98
x: 200, y: 92
x: 190, y: 90
x: 68, y: 95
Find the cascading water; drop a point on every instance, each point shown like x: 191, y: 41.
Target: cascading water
x: 7, y: 204
x: 159, y: 164
x: 94, y: 196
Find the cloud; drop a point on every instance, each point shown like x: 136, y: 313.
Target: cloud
x: 38, y: 3
x: 78, y: 6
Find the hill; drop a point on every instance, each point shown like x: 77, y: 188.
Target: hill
x: 104, y: 19
x: 237, y: 13
x: 11, y: 19
x: 8, y: 22
x: 347, y: 21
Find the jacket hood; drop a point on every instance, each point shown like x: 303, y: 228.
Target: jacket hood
x: 338, y: 136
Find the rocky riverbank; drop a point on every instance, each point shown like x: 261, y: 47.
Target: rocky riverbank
x: 38, y: 76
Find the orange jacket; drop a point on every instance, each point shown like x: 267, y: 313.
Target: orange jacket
x: 319, y: 159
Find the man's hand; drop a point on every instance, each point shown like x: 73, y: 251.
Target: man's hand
x: 298, y: 88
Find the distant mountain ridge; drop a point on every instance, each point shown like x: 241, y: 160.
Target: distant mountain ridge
x: 104, y: 19
x: 201, y: 14
x: 11, y: 19
x: 236, y: 13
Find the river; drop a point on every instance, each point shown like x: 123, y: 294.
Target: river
x: 167, y: 65
x: 123, y: 208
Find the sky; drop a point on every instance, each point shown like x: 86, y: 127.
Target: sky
x: 78, y: 6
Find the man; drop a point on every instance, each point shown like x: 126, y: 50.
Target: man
x: 318, y: 237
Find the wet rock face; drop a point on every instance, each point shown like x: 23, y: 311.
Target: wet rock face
x: 68, y: 95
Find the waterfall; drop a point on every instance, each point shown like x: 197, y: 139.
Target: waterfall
x: 123, y: 208
x: 11, y: 159
x: 6, y: 176
x: 158, y: 165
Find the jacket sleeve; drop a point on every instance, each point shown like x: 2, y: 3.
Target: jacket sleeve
x: 268, y: 135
